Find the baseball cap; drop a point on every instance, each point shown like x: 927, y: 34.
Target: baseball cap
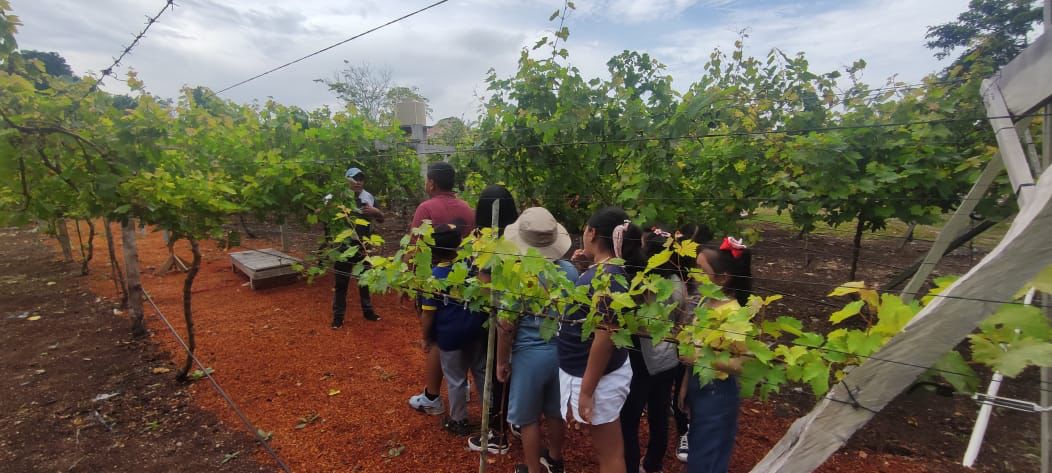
x: 352, y: 173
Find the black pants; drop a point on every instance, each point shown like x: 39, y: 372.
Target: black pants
x: 653, y: 393
x: 342, y: 276
x: 682, y: 421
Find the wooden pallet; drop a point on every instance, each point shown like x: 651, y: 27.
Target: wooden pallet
x: 265, y: 268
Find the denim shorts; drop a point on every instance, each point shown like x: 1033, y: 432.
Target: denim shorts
x: 534, y: 385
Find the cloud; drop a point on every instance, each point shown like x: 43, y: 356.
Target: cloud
x: 447, y: 51
x: 888, y: 34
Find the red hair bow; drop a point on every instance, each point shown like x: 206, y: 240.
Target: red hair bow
x: 734, y: 245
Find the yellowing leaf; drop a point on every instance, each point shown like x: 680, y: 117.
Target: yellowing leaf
x: 333, y: 392
x: 33, y: 317
x: 847, y: 288
x: 847, y: 312
x: 160, y: 370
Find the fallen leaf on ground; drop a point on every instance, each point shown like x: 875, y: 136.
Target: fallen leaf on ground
x: 161, y: 370
x: 35, y: 317
x: 333, y: 392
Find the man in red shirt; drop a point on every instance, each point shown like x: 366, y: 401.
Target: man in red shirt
x: 443, y: 208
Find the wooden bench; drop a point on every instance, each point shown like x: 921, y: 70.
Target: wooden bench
x: 265, y: 268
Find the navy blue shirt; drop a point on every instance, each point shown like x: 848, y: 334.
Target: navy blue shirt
x: 573, y: 348
x: 454, y: 325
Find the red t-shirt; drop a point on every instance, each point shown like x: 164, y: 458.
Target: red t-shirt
x: 445, y: 208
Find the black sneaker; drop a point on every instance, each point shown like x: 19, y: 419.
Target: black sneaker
x: 371, y: 316
x: 550, y: 464
x: 520, y: 468
x: 498, y: 444
x: 460, y: 428
x: 337, y: 325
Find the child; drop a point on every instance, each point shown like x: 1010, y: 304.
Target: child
x: 456, y: 331
x: 713, y: 408
x: 529, y: 361
x: 594, y: 375
x: 701, y: 235
x: 655, y: 365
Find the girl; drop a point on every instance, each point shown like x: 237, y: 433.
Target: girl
x: 594, y: 375
x: 701, y: 235
x: 495, y: 195
x: 713, y: 408
x: 655, y: 366
x: 528, y: 361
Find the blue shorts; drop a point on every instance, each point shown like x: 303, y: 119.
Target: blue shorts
x: 534, y: 385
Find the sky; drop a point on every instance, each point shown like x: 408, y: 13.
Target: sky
x: 447, y: 51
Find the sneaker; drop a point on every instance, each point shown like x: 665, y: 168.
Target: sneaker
x: 460, y: 428
x: 421, y: 403
x: 520, y: 468
x: 551, y: 465
x: 370, y: 316
x: 682, y: 449
x: 498, y: 444
x: 337, y: 325
x: 516, y: 430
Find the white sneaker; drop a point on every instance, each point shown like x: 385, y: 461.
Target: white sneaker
x: 682, y: 449
x: 421, y: 403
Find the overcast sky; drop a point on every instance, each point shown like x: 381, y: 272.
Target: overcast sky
x: 446, y: 51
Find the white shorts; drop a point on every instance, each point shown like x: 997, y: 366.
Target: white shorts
x: 610, y: 395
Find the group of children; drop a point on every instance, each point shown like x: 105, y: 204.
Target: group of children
x: 588, y: 379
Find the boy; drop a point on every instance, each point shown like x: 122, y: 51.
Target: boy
x: 455, y: 332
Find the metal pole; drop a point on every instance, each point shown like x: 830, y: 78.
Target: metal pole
x: 1046, y: 299
x: 487, y: 390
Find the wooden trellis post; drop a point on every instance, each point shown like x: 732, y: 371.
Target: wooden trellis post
x: 1021, y: 88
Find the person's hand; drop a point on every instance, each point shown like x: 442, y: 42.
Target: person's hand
x: 580, y: 259
x: 586, y: 407
x: 426, y: 345
x: 503, y: 371
x: 681, y: 400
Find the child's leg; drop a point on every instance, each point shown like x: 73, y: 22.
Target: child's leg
x: 609, y: 447
x: 658, y: 400
x: 433, y: 372
x: 531, y: 446
x: 455, y: 371
x: 632, y: 411
x: 713, y: 424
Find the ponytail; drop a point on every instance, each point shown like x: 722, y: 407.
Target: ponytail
x: 618, y: 235
x: 735, y: 260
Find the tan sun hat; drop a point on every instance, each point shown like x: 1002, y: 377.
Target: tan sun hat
x: 536, y: 228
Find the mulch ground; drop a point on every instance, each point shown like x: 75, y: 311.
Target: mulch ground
x: 79, y: 394
x: 275, y: 354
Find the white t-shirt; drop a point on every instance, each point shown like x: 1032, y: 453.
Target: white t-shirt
x: 367, y: 198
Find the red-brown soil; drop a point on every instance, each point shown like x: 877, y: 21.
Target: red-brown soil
x: 274, y: 353
x: 63, y: 347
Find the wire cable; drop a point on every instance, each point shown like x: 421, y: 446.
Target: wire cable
x: 315, y: 53
x: 219, y: 389
x: 169, y: 4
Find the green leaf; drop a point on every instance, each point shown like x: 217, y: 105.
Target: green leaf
x: 1043, y: 281
x: 555, y: 15
x: 622, y: 338
x: 956, y: 371
x: 847, y: 312
x: 1022, y: 354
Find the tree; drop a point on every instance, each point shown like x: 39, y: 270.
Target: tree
x: 991, y: 30
x: 54, y: 64
x: 370, y: 91
x: 450, y: 131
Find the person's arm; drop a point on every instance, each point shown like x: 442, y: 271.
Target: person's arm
x: 598, y: 357
x: 427, y: 323
x: 505, y: 339
x: 372, y: 213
